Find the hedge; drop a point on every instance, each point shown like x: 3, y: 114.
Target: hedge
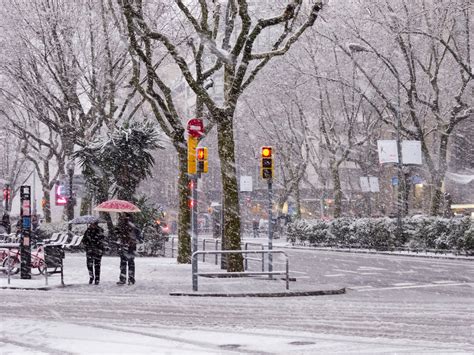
x: 421, y: 233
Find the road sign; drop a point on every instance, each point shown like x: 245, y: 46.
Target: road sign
x: 195, y: 127
x: 246, y: 184
x: 192, y: 144
x: 411, y: 152
x: 374, y: 184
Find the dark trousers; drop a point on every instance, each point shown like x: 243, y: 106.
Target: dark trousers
x: 93, y: 261
x: 127, y: 258
x: 255, y: 233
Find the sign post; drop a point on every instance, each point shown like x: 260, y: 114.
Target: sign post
x: 195, y: 129
x: 25, y: 241
x: 266, y: 172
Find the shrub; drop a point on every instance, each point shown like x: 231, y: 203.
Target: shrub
x: 419, y: 233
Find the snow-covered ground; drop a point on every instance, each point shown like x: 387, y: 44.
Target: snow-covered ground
x: 144, y: 318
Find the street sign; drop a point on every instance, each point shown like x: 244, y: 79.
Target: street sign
x: 374, y: 184
x: 364, y: 184
x: 195, y: 127
x: 387, y: 150
x: 411, y: 152
x: 246, y: 184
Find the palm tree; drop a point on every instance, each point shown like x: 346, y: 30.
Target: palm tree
x: 114, y: 166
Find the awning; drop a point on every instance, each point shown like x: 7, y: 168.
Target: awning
x: 462, y: 179
x: 466, y: 206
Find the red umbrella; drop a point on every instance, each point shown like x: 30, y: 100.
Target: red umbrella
x: 117, y: 206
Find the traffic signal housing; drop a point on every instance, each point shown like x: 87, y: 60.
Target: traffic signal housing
x: 266, y: 163
x: 202, y: 164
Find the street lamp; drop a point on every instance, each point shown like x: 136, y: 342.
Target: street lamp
x: 70, y: 202
x: 355, y: 48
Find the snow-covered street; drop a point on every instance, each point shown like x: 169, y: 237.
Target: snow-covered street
x: 144, y: 318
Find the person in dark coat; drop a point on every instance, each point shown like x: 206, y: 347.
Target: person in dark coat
x: 93, y: 242
x: 6, y: 223
x: 255, y: 228
x: 127, y: 234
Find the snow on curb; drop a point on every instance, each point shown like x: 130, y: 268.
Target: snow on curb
x: 262, y: 294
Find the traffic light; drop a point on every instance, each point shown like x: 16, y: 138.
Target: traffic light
x: 202, y: 165
x: 266, y: 164
x: 6, y: 193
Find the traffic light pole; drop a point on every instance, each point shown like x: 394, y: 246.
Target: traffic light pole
x: 194, y: 229
x: 25, y: 241
x: 270, y: 226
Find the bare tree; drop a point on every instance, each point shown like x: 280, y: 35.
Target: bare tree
x: 429, y: 63
x: 226, y: 36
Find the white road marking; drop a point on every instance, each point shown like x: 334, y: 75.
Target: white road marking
x: 404, y: 284
x: 334, y: 275
x: 415, y: 286
x: 361, y: 288
x: 443, y: 282
x: 349, y: 271
x: 357, y: 272
x: 370, y: 268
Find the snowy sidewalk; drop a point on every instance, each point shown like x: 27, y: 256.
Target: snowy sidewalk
x: 163, y: 276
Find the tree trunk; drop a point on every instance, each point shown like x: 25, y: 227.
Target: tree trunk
x: 225, y: 138
x: 336, y: 180
x: 46, y: 192
x: 86, y: 202
x: 438, y: 176
x: 184, y: 216
x: 298, y: 202
x: 47, y: 204
x: 436, y: 194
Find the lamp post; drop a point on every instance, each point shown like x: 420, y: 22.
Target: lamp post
x: 354, y: 48
x: 70, y: 202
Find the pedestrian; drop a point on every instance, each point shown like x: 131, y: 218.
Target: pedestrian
x: 94, y: 244
x: 255, y: 227
x: 6, y: 223
x: 128, y: 235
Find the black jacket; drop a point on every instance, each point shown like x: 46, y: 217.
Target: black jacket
x: 94, y: 240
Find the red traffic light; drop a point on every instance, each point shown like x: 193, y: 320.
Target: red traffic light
x: 200, y: 154
x: 266, y: 152
x: 6, y: 193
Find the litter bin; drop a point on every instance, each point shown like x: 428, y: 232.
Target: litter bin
x: 53, y: 260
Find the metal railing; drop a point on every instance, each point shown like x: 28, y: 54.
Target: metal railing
x: 173, y: 248
x: 196, y: 273
x: 246, y: 258
x: 216, y: 243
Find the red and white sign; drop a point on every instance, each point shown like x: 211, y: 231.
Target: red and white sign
x: 196, y: 127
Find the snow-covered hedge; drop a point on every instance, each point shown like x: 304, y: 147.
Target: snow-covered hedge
x: 420, y: 233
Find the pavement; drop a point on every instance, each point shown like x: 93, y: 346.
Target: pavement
x: 391, y: 304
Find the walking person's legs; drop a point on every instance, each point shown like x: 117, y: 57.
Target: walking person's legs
x: 89, y: 263
x: 97, y: 261
x: 131, y: 270
x: 123, y: 268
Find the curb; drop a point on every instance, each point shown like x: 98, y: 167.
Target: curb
x: 365, y: 251
x: 26, y: 288
x: 263, y: 294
